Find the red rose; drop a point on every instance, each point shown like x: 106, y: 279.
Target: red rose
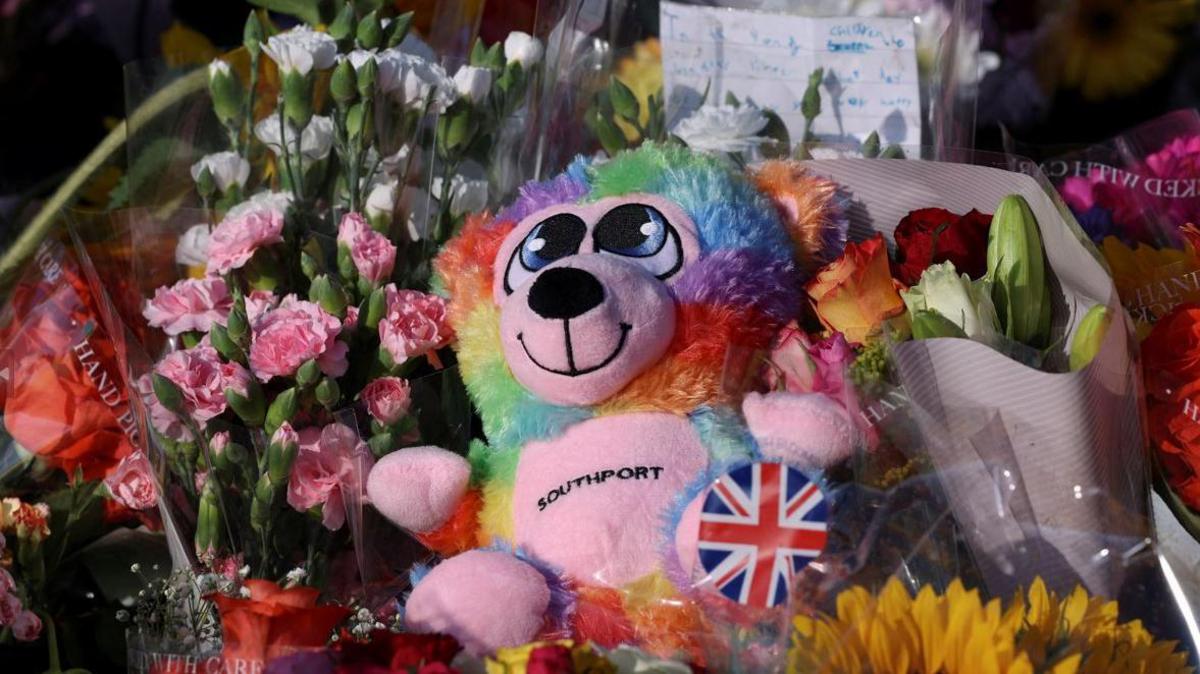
x: 390, y: 652
x: 928, y: 236
x: 552, y: 659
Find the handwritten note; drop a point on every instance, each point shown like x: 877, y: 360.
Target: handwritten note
x: 870, y: 84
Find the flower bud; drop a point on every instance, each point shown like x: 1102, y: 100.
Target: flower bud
x: 345, y: 262
x: 219, y: 336
x: 238, y: 326
x: 282, y: 409
x: 297, y: 99
x: 168, y: 393
x: 208, y: 520
x: 343, y: 84
x: 252, y: 35
x: 308, y: 373
x: 1089, y: 336
x: 376, y: 308
x: 1017, y: 269
x: 370, y: 32
x: 343, y: 24
x: 356, y: 119
x: 226, y: 92
x: 281, y: 453
x: 251, y: 408
x: 328, y: 392
x: 368, y: 74
x: 398, y: 29
x: 329, y: 295
x: 205, y: 184
x: 381, y: 444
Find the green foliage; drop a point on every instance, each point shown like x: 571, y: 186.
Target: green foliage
x: 311, y: 12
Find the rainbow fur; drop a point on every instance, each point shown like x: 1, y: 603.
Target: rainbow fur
x: 759, y: 236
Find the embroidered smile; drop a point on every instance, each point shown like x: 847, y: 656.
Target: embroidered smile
x: 571, y: 370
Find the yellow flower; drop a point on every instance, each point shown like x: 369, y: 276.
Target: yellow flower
x: 1152, y: 281
x: 1113, y: 47
x: 956, y: 632
x: 642, y: 73
x: 513, y: 660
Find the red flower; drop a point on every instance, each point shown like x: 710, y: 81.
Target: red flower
x: 390, y: 652
x: 552, y: 659
x: 1171, y: 365
x: 274, y: 622
x: 928, y: 236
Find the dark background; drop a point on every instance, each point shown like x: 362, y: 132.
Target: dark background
x: 61, y: 85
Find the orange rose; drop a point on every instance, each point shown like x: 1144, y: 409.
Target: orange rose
x: 855, y: 294
x: 274, y: 622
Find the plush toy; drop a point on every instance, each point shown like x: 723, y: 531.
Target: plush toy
x: 600, y: 324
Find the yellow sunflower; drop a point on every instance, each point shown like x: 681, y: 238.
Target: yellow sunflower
x: 957, y: 633
x: 1109, y: 48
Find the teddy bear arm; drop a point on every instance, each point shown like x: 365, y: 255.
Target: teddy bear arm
x: 808, y: 430
x: 422, y: 489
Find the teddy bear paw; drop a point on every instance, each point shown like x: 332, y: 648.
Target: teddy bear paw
x: 809, y: 430
x: 486, y: 599
x: 418, y: 488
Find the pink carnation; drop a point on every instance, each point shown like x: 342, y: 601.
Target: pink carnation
x: 351, y: 321
x: 798, y: 365
x: 259, y: 302
x: 236, y: 378
x: 328, y: 461
x: 414, y: 326
x: 285, y: 435
x: 1178, y: 159
x: 7, y: 584
x: 27, y: 626
x: 199, y: 374
x: 387, y: 399
x: 292, y: 334
x: 10, y: 608
x: 132, y: 482
x: 219, y: 442
x: 373, y: 254
x: 235, y: 240
x: 190, y: 305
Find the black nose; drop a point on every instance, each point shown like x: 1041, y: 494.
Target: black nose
x: 564, y: 292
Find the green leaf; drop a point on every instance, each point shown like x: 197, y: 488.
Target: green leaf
x: 370, y: 32
x: 309, y: 11
x: 624, y: 101
x: 495, y: 56
x: 870, y: 146
x: 478, y: 53
x: 892, y: 152
x: 398, y: 29
x: 776, y: 130
x: 610, y: 137
x: 730, y: 99
x: 343, y: 26
x: 368, y: 6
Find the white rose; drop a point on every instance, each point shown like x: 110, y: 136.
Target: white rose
x: 315, y: 142
x: 192, y: 248
x: 263, y: 201
x: 381, y: 202
x: 300, y: 50
x: 957, y: 298
x: 227, y: 169
x: 722, y: 128
x: 522, y: 48
x: 473, y: 83
x: 420, y: 209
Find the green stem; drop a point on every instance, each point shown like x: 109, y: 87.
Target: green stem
x: 51, y: 643
x: 250, y: 105
x: 287, y: 153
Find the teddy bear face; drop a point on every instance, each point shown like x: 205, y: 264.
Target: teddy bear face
x: 584, y: 292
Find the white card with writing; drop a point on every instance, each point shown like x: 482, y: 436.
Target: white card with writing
x: 871, y: 81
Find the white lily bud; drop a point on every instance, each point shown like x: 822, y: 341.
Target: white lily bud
x: 473, y: 83
x: 522, y: 48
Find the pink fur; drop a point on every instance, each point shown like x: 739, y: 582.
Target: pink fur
x: 632, y: 297
x: 486, y: 599
x: 809, y: 430
x: 418, y: 488
x: 604, y: 532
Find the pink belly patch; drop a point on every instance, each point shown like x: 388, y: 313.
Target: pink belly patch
x: 592, y: 501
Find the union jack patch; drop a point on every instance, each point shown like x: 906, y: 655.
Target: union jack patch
x: 760, y: 525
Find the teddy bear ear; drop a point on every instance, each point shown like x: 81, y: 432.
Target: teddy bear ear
x: 811, y: 208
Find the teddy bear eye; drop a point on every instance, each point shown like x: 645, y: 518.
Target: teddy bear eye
x: 642, y: 233
x: 552, y: 239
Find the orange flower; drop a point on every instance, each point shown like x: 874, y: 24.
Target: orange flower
x: 274, y: 622
x: 30, y: 521
x: 855, y: 293
x: 1153, y: 281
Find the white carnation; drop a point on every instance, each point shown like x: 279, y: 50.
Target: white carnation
x: 300, y: 50
x: 723, y: 128
x: 192, y: 248
x: 473, y: 83
x: 227, y: 169
x: 315, y: 142
x: 522, y: 48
